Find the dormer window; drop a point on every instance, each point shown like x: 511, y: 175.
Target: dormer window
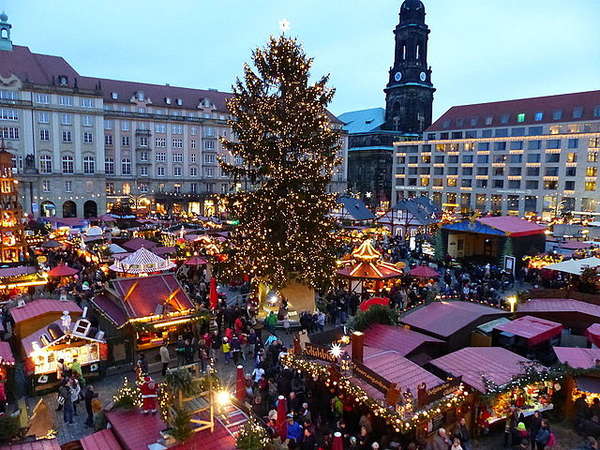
x: 179, y: 101
x: 63, y: 80
x: 114, y: 95
x: 168, y: 100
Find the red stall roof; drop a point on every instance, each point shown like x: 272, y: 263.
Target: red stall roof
x: 6, y: 272
x: 424, y: 272
x: 446, y: 318
x: 109, y: 308
x: 496, y: 363
x: 137, y: 243
x: 531, y: 328
x: 42, y: 306
x: 101, y: 440
x: 6, y: 354
x: 512, y: 226
x: 142, y: 296
x: 593, y: 333
x: 392, y: 337
x: 396, y: 369
x: 44, y: 444
x: 578, y: 358
x: 576, y: 245
x: 559, y: 305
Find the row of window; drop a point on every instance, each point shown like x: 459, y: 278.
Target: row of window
x: 66, y: 119
x: 68, y: 164
x: 145, y: 187
x: 499, y: 158
x: 496, y: 171
x: 158, y: 142
x: 126, y: 125
x: 556, y: 114
x: 550, y: 185
x: 65, y: 100
x: 9, y: 114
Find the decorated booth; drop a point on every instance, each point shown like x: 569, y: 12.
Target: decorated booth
x: 72, y: 341
x: 141, y: 262
x: 152, y: 308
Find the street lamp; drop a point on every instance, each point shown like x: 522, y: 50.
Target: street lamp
x: 512, y: 301
x: 223, y: 398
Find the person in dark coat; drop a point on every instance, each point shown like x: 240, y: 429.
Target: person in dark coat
x: 462, y: 433
x: 88, y: 397
x: 535, y: 423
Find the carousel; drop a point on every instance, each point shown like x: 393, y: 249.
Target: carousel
x: 140, y: 263
x: 366, y: 271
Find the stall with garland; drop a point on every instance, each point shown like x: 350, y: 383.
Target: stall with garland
x: 74, y: 342
x: 403, y: 397
x: 501, y: 380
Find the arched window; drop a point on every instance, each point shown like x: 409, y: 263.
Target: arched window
x: 45, y: 164
x: 4, y: 33
x: 68, y: 164
x: 89, y: 164
x: 126, y: 166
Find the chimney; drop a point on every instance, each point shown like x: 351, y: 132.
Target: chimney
x: 358, y: 343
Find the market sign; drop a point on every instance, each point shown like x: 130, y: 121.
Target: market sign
x: 377, y: 381
x: 441, y: 391
x: 319, y: 352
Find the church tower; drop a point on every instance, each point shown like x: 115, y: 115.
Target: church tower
x: 409, y: 92
x: 5, y: 42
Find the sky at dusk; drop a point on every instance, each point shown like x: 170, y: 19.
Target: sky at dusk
x: 479, y: 50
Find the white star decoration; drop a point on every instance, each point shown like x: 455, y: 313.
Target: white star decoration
x: 284, y: 25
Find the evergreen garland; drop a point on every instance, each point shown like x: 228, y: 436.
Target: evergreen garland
x: 287, y: 149
x: 252, y: 436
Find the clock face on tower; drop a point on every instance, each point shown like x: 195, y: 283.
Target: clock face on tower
x: 398, y: 76
x: 423, y: 76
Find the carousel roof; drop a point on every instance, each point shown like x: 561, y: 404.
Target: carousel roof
x: 147, y: 296
x: 42, y: 306
x: 369, y: 264
x: 137, y: 243
x: 141, y: 261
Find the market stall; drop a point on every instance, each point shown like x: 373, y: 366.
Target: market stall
x: 151, y: 308
x: 529, y: 336
x: 583, y: 377
x: 67, y: 340
x: 502, y: 380
x: 593, y: 334
x: 31, y: 316
x: 141, y: 262
x: 18, y: 279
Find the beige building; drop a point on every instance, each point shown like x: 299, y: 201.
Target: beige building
x: 535, y: 156
x: 83, y: 143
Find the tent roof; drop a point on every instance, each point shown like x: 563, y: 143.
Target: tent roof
x: 141, y: 261
x: 6, y: 354
x: 101, y: 440
x: 42, y: 306
x: 555, y: 305
x: 496, y: 363
x: 574, y: 266
x: 423, y: 272
x: 391, y: 337
x: 137, y: 243
x: 115, y: 248
x: 421, y: 208
x: 355, y: 209
x: 512, y: 226
x: 43, y: 444
x: 371, y: 271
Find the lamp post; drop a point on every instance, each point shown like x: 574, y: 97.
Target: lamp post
x: 512, y: 301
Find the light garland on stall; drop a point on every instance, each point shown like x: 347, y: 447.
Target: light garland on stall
x: 392, y: 417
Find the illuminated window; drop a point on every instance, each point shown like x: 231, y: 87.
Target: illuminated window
x: 521, y: 117
x: 590, y: 185
x: 571, y: 157
x: 451, y: 182
x: 592, y: 157
x: 591, y: 171
x: 539, y: 116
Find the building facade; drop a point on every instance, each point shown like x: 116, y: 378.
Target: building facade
x: 528, y: 157
x: 408, y: 111
x: 83, y: 143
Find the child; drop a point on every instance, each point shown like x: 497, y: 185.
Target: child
x: 456, y: 445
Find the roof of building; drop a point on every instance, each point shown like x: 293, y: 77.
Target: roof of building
x: 354, y: 209
x: 144, y: 296
x: 363, y: 121
x: 6, y: 354
x: 391, y: 337
x: 512, y: 226
x: 110, y: 309
x: 474, y: 116
x: 533, y: 329
x: 45, y: 70
x: 496, y: 363
x: 555, y: 305
x: 578, y: 358
x: 42, y: 306
x: 43, y: 444
x: 100, y: 440
x: 446, y: 318
x: 396, y: 369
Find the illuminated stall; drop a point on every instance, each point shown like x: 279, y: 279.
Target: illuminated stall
x: 12, y: 241
x: 67, y: 340
x: 152, y: 308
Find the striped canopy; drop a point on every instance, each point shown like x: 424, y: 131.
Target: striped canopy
x: 142, y: 261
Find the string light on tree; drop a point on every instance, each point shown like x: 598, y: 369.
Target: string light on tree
x: 284, y: 25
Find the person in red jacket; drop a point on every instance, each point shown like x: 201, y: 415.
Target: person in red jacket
x: 149, y: 393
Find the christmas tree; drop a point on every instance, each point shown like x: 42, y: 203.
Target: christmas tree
x: 287, y: 148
